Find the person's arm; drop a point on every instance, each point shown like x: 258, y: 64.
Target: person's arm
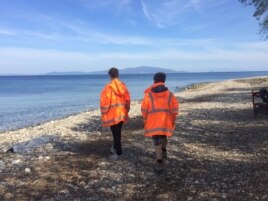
x: 105, y: 100
x: 145, y: 107
x: 128, y: 101
x: 175, y: 109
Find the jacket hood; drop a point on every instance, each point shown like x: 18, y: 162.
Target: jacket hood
x: 118, y: 87
x: 158, y: 89
x: 153, y: 86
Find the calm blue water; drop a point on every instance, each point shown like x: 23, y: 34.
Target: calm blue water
x: 30, y: 100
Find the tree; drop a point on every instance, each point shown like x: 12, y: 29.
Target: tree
x: 261, y: 14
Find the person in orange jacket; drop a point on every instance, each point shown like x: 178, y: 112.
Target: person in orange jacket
x: 115, y: 105
x: 159, y: 110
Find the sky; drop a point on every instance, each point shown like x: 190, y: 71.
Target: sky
x: 40, y: 36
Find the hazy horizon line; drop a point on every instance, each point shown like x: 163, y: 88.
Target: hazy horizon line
x: 94, y: 73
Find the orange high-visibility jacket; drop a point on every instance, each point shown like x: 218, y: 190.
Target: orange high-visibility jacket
x: 159, y: 111
x: 114, y: 103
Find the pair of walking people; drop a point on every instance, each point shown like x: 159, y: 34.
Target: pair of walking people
x: 159, y: 109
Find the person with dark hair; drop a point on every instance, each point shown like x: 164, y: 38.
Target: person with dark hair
x: 115, y: 105
x: 159, y: 77
x: 113, y: 72
x: 159, y: 109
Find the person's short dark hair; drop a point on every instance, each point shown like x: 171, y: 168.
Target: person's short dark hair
x: 113, y: 72
x: 159, y: 77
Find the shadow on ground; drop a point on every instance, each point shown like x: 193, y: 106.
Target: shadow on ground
x: 87, y: 173
x: 214, y: 155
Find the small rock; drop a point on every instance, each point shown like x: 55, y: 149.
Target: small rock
x: 9, y: 196
x: 163, y: 196
x: 16, y: 161
x: 82, y: 183
x: 27, y: 170
x: 65, y: 191
x: 223, y: 196
x: 47, y: 158
x: 2, y: 165
x: 40, y: 157
x: 72, y: 186
x: 189, y: 198
x: 103, y: 163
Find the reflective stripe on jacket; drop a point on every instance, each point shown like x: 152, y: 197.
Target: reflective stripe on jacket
x: 114, y: 103
x: 159, y: 111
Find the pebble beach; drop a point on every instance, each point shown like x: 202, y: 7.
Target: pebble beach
x: 219, y: 151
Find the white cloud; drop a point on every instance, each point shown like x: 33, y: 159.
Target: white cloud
x: 84, y: 34
x: 114, y: 6
x: 79, y: 33
x: 7, y: 32
x: 172, y: 12
x: 164, y: 13
x: 21, y: 60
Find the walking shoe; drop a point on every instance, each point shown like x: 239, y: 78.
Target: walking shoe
x: 159, y: 167
x: 112, y: 150
x: 114, y: 157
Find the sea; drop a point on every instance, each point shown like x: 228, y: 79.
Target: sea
x: 31, y: 100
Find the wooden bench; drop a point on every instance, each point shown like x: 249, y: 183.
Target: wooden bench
x: 260, y: 106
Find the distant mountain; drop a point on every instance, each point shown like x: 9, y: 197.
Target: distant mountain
x: 139, y: 70
x: 131, y: 70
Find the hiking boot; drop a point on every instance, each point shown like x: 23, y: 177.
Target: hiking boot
x: 114, y: 157
x: 112, y: 150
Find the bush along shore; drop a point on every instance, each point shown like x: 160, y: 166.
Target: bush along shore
x: 218, y: 152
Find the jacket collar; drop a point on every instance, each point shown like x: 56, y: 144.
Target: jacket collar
x: 154, y: 85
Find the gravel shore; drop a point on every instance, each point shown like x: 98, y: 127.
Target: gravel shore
x: 218, y: 152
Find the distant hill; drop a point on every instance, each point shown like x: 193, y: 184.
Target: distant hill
x: 131, y: 70
x: 140, y: 70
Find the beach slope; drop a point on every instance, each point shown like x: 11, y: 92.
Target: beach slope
x: 218, y: 152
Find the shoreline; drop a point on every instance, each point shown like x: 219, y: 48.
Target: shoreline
x: 218, y: 152
x: 53, y: 120
x: 191, y: 86
x: 96, y: 112
x: 187, y: 87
